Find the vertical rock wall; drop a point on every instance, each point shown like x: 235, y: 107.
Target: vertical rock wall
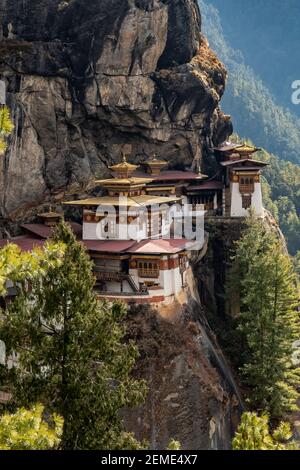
x: 86, y: 80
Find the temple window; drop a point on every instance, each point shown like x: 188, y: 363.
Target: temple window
x: 148, y: 269
x: 246, y: 201
x: 247, y: 185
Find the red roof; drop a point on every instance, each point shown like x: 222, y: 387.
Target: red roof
x: 159, y: 246
x: 207, y: 185
x: 170, y: 175
x: 112, y: 246
x: 244, y: 160
x: 40, y: 230
x: 43, y: 231
x: 108, y: 246
x: 24, y: 243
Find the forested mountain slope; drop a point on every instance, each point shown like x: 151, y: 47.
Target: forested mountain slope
x: 255, y: 111
x: 267, y: 33
x: 88, y: 80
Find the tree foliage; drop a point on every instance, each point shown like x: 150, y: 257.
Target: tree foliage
x: 174, y: 445
x: 6, y: 127
x: 28, y: 430
x: 256, y: 114
x: 267, y: 23
x: 18, y: 266
x: 255, y: 111
x: 269, y: 320
x: 296, y: 261
x: 254, y: 434
x: 72, y: 354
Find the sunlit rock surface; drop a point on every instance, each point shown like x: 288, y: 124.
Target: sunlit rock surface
x: 84, y: 79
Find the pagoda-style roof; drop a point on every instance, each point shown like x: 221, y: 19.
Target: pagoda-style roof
x: 124, y: 182
x: 246, y: 150
x: 172, y: 175
x: 51, y: 215
x: 136, y: 201
x: 160, y: 246
x: 155, y: 165
x: 109, y: 246
x: 160, y: 188
x: 51, y: 218
x: 206, y: 186
x: 244, y: 163
x: 232, y: 148
x: 123, y: 169
x: 146, y: 247
x: 44, y: 231
x: 25, y: 243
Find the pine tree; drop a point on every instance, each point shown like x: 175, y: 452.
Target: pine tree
x: 21, y: 268
x: 254, y: 434
x: 72, y: 353
x: 269, y: 321
x: 28, y: 430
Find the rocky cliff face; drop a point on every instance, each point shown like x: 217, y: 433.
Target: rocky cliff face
x: 192, y: 397
x: 87, y: 80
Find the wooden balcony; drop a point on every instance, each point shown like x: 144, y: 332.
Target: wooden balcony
x: 246, y: 188
x: 121, y: 277
x: 108, y: 276
x: 148, y: 273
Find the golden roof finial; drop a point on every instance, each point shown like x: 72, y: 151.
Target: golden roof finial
x: 155, y: 165
x: 244, y: 149
x: 123, y: 169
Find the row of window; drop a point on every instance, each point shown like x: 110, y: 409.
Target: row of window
x: 246, y: 185
x: 148, y: 269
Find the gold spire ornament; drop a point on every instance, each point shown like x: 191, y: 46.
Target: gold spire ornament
x: 155, y: 165
x: 246, y: 150
x: 123, y: 169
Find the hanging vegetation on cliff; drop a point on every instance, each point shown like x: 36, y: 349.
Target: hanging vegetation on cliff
x: 6, y: 127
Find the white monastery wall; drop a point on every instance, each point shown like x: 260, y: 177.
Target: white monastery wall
x: 237, y: 204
